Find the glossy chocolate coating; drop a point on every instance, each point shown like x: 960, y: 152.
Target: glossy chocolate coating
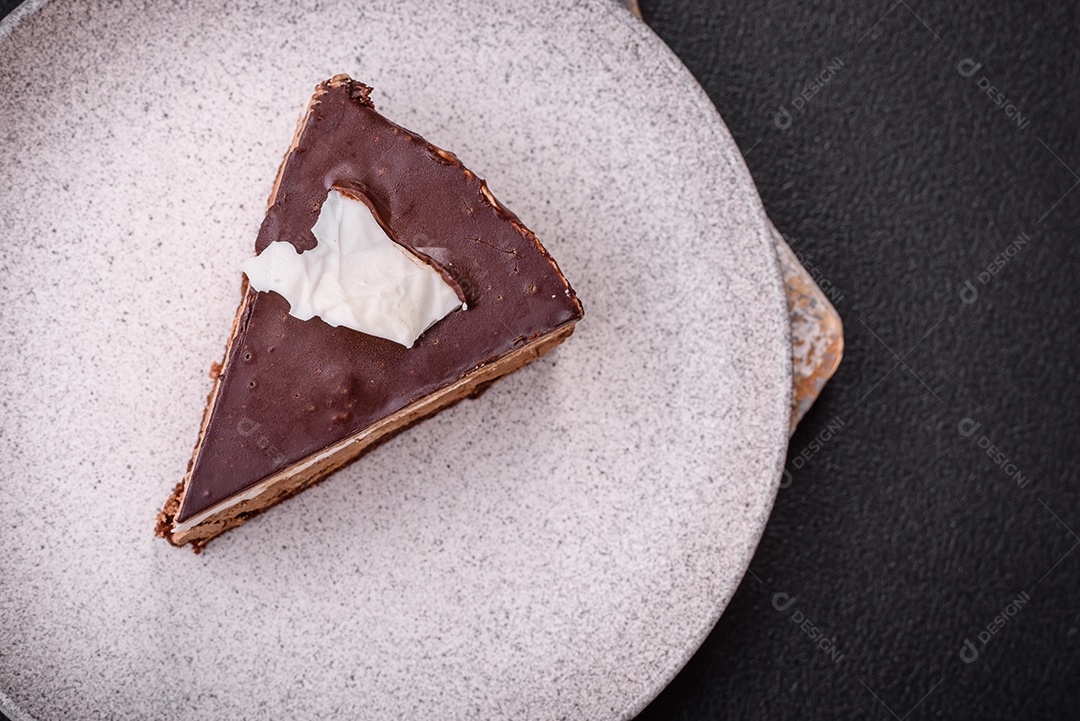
x: 290, y: 388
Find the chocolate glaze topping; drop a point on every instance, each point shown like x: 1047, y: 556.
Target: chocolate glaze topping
x: 290, y: 388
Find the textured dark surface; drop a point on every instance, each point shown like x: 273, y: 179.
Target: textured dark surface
x: 899, y: 537
x: 898, y: 181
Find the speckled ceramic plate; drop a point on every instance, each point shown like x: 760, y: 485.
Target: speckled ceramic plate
x: 557, y: 549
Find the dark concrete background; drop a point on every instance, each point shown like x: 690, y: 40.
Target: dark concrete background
x: 922, y: 561
x: 899, y: 180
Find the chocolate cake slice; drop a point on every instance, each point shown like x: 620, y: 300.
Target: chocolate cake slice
x: 297, y: 399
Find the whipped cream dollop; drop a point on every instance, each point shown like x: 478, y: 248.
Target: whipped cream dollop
x: 356, y: 276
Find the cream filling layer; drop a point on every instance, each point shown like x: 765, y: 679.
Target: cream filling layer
x: 267, y: 483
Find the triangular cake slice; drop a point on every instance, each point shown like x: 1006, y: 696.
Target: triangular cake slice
x: 297, y: 399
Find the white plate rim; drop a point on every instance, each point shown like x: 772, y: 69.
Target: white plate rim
x: 710, y: 116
